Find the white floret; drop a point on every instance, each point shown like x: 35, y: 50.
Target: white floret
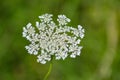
x: 63, y: 20
x: 81, y: 31
x: 46, y: 18
x: 43, y: 57
x: 33, y: 48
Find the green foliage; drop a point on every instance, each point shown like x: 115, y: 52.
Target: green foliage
x: 100, y: 18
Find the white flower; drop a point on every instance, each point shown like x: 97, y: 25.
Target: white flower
x: 76, y: 52
x: 46, y: 18
x: 32, y: 48
x: 43, y: 57
x: 28, y: 31
x: 63, y: 20
x: 81, y: 31
x: 53, y: 40
x: 60, y: 55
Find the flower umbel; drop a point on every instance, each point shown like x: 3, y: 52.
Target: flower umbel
x: 57, y: 40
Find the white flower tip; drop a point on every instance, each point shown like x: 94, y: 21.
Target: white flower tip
x: 79, y: 27
x: 40, y: 17
x: 43, y: 62
x: 28, y: 25
x: 68, y: 20
x: 73, y: 56
x: 37, y: 24
x: 35, y: 53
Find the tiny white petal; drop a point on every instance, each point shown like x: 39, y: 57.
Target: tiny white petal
x: 29, y: 25
x: 37, y: 24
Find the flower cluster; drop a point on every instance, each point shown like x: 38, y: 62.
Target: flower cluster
x: 49, y: 40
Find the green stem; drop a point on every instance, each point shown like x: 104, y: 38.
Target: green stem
x: 49, y: 70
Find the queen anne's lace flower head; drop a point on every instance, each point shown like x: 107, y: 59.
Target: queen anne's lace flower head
x: 52, y: 40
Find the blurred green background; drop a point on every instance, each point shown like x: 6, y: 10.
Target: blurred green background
x: 100, y: 57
